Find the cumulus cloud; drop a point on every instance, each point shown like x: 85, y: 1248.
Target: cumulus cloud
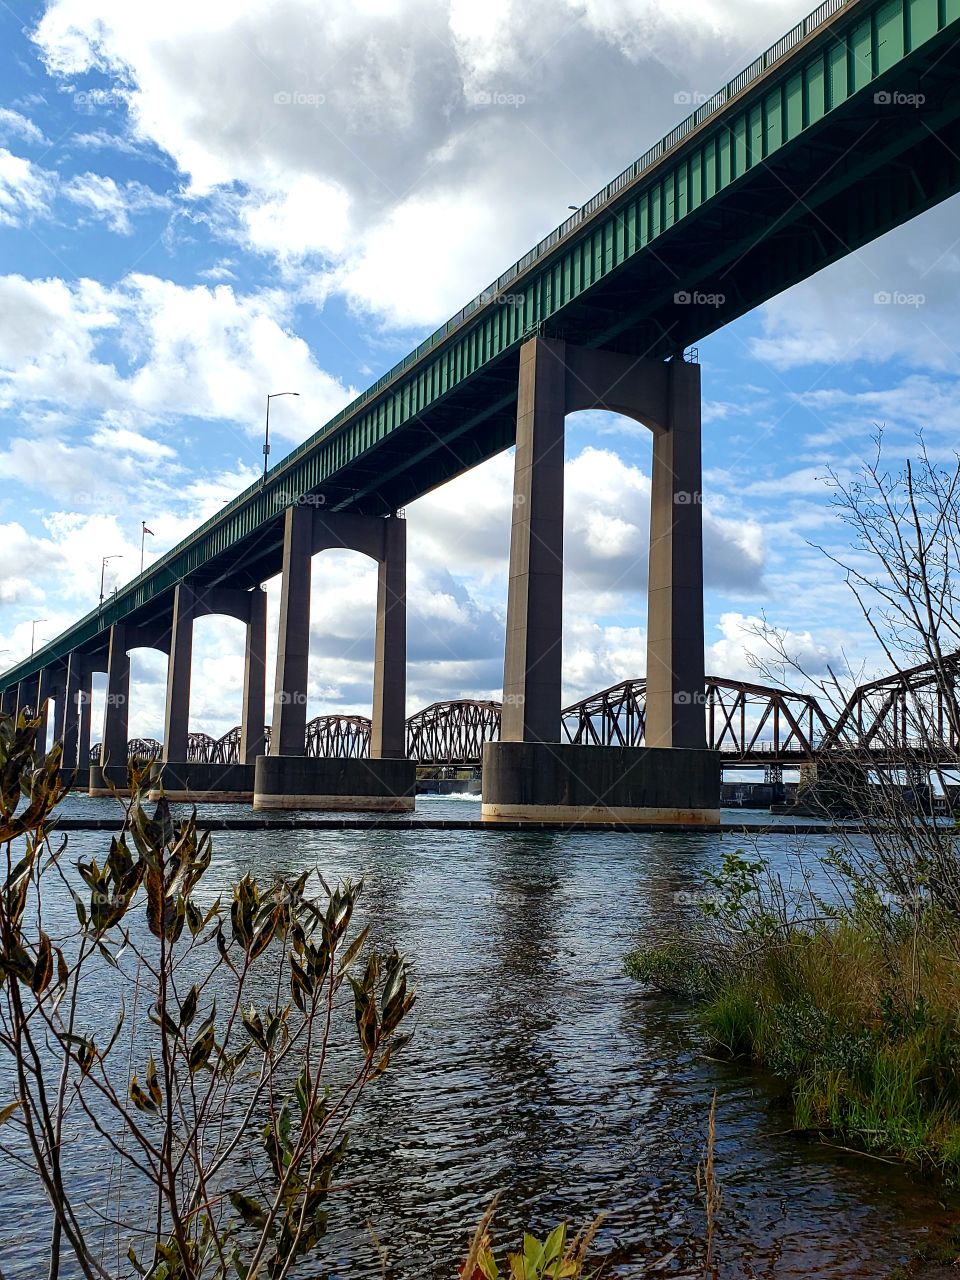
x: 159, y: 348
x: 389, y: 143
x: 743, y: 653
x: 606, y: 531
x: 15, y: 125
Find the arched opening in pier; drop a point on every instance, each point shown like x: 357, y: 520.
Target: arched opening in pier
x: 216, y: 679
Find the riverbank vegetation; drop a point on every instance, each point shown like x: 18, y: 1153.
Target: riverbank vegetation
x: 855, y: 1002
x: 846, y: 982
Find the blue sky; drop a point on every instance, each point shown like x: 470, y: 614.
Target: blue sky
x: 201, y: 204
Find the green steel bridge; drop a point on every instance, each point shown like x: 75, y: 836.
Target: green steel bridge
x: 846, y: 128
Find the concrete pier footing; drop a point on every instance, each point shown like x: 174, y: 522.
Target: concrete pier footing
x: 550, y: 782
x: 107, y: 780
x: 202, y: 783
x: 308, y: 782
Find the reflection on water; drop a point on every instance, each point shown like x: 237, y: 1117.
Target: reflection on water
x: 539, y: 1070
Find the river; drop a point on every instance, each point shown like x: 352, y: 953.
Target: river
x: 538, y: 1070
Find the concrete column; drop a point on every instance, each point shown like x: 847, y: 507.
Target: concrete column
x: 289, y: 731
x: 44, y: 694
x: 533, y: 657
x: 388, y: 730
x: 117, y: 710
x: 85, y: 675
x: 675, y: 675
x: 179, y: 668
x: 70, y: 730
x: 252, y: 740
x: 58, y: 711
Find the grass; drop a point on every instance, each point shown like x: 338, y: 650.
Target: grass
x: 671, y: 967
x: 859, y: 1013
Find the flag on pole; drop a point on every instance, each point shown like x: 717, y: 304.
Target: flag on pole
x: 146, y: 530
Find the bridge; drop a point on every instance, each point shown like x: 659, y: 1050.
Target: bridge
x: 906, y: 719
x: 847, y: 127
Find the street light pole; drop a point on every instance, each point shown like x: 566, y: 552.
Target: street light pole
x: 33, y: 633
x: 266, y: 431
x: 103, y: 569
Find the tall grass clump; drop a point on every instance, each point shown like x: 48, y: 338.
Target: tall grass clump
x: 855, y: 1002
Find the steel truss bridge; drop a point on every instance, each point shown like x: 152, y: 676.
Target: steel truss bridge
x: 912, y: 716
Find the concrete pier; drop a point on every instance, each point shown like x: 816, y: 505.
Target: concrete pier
x: 202, y: 783
x: 225, y: 782
x: 528, y: 775
x: 561, y: 783
x: 112, y: 766
x: 113, y: 748
x: 286, y: 777
x: 107, y: 780
x: 302, y: 782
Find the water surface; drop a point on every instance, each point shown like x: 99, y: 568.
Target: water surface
x: 538, y: 1070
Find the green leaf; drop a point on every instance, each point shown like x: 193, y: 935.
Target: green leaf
x: 283, y: 1126
x: 301, y: 986
x: 248, y: 1209
x: 135, y: 1262
x: 301, y: 1089
x: 141, y: 1100
x: 351, y: 952
x: 553, y: 1245
x: 43, y: 969
x: 188, y: 1010
x: 254, y: 1027
x: 155, y: 903
x: 533, y: 1252
x: 153, y: 1082
x: 201, y: 1049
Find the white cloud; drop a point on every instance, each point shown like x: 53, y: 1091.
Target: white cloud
x: 25, y: 190
x: 198, y: 351
x: 466, y: 525
x: 15, y: 125
x: 309, y: 217
x: 742, y: 653
x: 896, y: 299
x: 350, y: 139
x: 110, y: 202
x: 222, y: 269
x: 636, y: 26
